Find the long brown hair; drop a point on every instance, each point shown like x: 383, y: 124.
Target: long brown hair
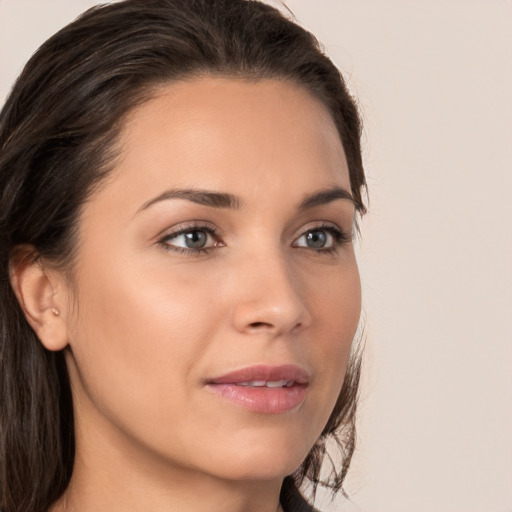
x: 58, y: 130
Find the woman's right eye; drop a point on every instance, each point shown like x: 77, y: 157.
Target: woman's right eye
x: 190, y: 240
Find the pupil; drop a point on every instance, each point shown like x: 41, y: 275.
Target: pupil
x: 316, y: 239
x: 195, y: 239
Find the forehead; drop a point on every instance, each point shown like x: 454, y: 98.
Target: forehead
x: 231, y: 134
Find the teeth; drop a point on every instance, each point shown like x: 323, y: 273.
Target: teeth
x: 257, y: 383
x: 268, y: 384
x: 276, y: 383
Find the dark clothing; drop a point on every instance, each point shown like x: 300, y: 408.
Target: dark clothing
x: 292, y: 500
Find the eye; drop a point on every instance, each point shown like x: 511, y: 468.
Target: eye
x: 326, y: 238
x: 315, y: 239
x: 193, y: 239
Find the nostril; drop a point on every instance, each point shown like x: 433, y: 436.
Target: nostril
x: 257, y: 325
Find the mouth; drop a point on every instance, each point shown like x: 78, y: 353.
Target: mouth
x: 263, y: 389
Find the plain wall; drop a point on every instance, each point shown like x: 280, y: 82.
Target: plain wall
x: 434, y: 82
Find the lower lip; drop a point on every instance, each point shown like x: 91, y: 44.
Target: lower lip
x: 262, y: 399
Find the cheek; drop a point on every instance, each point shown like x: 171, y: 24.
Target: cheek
x: 335, y: 298
x: 138, y: 333
x: 336, y: 315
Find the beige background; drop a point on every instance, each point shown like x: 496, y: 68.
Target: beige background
x: 434, y: 79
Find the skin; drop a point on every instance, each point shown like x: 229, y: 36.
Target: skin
x: 143, y: 325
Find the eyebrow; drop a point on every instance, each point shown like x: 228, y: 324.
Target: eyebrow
x: 326, y: 196
x: 225, y: 200
x: 204, y: 197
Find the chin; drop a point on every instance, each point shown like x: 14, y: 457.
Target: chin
x: 260, y: 470
x: 259, y: 457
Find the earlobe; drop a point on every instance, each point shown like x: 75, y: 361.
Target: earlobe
x: 39, y: 295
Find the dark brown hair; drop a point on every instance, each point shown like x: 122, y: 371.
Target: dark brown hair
x: 58, y: 131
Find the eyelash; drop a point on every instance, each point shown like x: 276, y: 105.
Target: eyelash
x: 340, y: 238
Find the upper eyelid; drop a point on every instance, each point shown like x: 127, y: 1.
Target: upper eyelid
x: 320, y: 224
x: 200, y: 225
x: 166, y: 239
x: 184, y: 227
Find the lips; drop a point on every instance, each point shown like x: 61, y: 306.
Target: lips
x: 263, y: 389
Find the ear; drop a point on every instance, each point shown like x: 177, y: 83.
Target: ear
x: 41, y: 295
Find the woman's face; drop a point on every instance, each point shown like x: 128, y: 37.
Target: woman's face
x: 216, y: 289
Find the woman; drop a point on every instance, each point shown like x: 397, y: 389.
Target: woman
x: 179, y: 182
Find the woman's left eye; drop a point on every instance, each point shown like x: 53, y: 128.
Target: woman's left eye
x: 325, y: 238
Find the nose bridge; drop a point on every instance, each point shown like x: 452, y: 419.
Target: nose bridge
x: 270, y: 298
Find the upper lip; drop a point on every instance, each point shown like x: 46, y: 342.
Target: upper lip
x: 287, y: 372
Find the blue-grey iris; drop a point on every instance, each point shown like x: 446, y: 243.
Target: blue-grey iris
x: 195, y: 239
x: 316, y: 239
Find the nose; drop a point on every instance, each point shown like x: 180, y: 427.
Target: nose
x: 269, y: 299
